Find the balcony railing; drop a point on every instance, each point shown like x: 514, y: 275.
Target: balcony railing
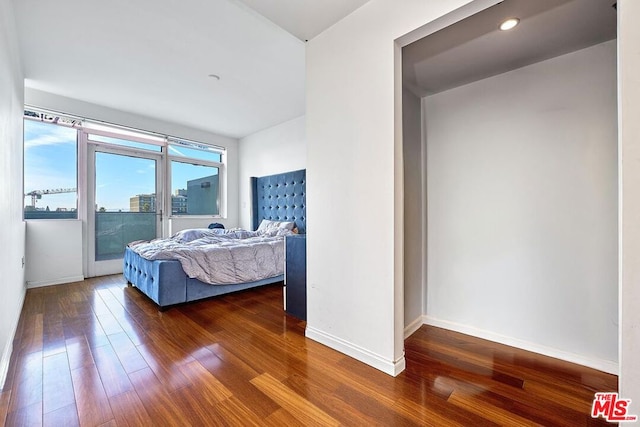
x: 115, y: 229
x: 50, y: 214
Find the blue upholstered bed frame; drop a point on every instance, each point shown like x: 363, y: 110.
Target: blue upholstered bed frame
x: 280, y: 197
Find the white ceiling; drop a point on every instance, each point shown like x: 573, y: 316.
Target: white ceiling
x: 305, y: 19
x: 475, y: 48
x: 153, y: 57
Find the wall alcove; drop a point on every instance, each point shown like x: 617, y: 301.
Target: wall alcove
x: 511, y: 179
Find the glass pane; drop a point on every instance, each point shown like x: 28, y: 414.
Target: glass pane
x: 194, y: 189
x: 125, y: 203
x: 125, y: 143
x: 50, y: 171
x: 195, y: 153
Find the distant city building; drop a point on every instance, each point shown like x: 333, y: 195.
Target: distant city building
x: 142, y: 203
x: 199, y: 198
x: 179, y: 203
x: 203, y: 195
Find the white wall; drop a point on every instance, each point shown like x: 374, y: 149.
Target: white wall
x: 49, y: 259
x: 12, y: 230
x: 83, y: 109
x: 629, y: 143
x: 354, y: 208
x: 278, y: 149
x: 414, y: 211
x: 522, y: 207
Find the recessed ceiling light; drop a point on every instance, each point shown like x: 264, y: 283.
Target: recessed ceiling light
x: 214, y: 76
x: 509, y: 24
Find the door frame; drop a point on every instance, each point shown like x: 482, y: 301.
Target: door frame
x: 99, y: 268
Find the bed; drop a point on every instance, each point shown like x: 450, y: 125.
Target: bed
x: 280, y: 197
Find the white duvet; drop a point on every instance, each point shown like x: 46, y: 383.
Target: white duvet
x: 221, y: 256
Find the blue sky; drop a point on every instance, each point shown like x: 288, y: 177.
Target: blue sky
x: 50, y: 163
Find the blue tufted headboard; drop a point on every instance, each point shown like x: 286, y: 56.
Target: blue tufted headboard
x: 281, y: 197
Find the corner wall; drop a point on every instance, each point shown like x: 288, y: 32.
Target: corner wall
x: 354, y: 263
x: 278, y: 149
x: 414, y: 211
x: 12, y: 230
x: 522, y: 208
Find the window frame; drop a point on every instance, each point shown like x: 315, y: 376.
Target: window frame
x: 84, y: 126
x: 54, y: 120
x: 196, y: 162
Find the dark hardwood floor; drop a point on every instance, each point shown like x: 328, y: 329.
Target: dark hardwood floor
x: 98, y: 353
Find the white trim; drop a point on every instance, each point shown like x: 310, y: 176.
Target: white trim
x: 457, y: 15
x: 8, y: 350
x: 101, y: 127
x: 124, y: 135
x: 60, y: 281
x: 424, y: 206
x: 607, y: 366
x: 222, y: 184
x: 392, y: 368
x: 83, y: 201
x: 398, y: 212
x: 173, y: 140
x: 412, y: 327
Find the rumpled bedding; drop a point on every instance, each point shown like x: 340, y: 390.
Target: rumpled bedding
x: 221, y: 257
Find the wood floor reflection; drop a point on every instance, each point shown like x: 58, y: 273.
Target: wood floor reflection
x: 99, y: 353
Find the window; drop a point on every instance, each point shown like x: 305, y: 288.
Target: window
x: 194, y: 189
x: 50, y: 169
x: 124, y: 142
x: 194, y: 171
x: 181, y: 148
x: 195, y: 178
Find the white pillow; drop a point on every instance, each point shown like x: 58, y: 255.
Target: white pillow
x: 191, y: 234
x: 268, y: 225
x: 274, y: 232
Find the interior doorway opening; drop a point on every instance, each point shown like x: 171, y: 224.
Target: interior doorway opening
x: 510, y: 179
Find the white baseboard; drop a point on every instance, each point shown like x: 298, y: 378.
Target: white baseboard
x: 60, y: 281
x: 8, y: 349
x: 412, y: 327
x: 608, y: 366
x: 392, y: 368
